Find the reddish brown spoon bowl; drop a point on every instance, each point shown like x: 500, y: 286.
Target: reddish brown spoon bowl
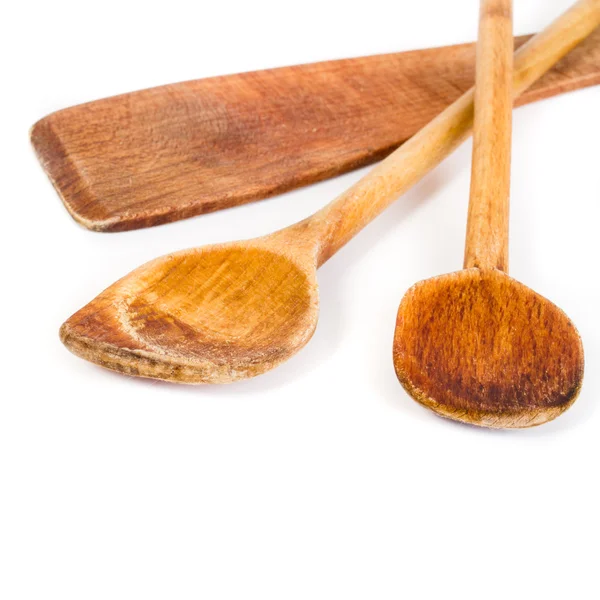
x: 480, y: 347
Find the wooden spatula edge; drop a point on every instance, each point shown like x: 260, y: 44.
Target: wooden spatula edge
x: 177, y: 151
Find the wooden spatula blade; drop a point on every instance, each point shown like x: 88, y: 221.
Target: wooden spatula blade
x: 180, y: 150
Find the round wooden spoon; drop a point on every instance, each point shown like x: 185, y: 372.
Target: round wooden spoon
x: 226, y: 312
x: 476, y: 345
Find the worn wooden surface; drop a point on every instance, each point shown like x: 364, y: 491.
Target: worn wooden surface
x: 215, y: 315
x: 226, y: 312
x: 477, y: 346
x: 180, y: 150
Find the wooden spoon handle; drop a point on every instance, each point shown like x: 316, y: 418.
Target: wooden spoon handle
x: 343, y: 218
x: 487, y: 225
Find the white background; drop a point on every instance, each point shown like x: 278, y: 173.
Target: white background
x: 321, y: 479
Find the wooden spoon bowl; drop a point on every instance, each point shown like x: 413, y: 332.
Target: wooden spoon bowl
x: 214, y: 314
x: 480, y: 347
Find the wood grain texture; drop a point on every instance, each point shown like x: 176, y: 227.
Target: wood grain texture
x: 221, y: 313
x: 487, y: 223
x: 176, y: 151
x: 211, y: 315
x: 477, y: 346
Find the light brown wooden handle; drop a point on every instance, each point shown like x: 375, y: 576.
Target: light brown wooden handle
x: 487, y: 225
x: 342, y: 219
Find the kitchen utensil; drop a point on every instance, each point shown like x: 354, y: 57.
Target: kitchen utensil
x: 180, y: 150
x: 476, y: 345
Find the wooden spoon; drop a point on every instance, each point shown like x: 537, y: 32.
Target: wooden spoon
x: 476, y: 345
x: 229, y: 311
x: 180, y: 150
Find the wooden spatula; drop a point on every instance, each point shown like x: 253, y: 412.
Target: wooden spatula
x: 175, y: 151
x: 229, y: 311
x: 476, y: 345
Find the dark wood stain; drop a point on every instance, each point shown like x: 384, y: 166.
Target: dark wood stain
x: 480, y: 347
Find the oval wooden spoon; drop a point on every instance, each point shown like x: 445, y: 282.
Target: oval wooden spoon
x: 226, y: 312
x: 476, y: 345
